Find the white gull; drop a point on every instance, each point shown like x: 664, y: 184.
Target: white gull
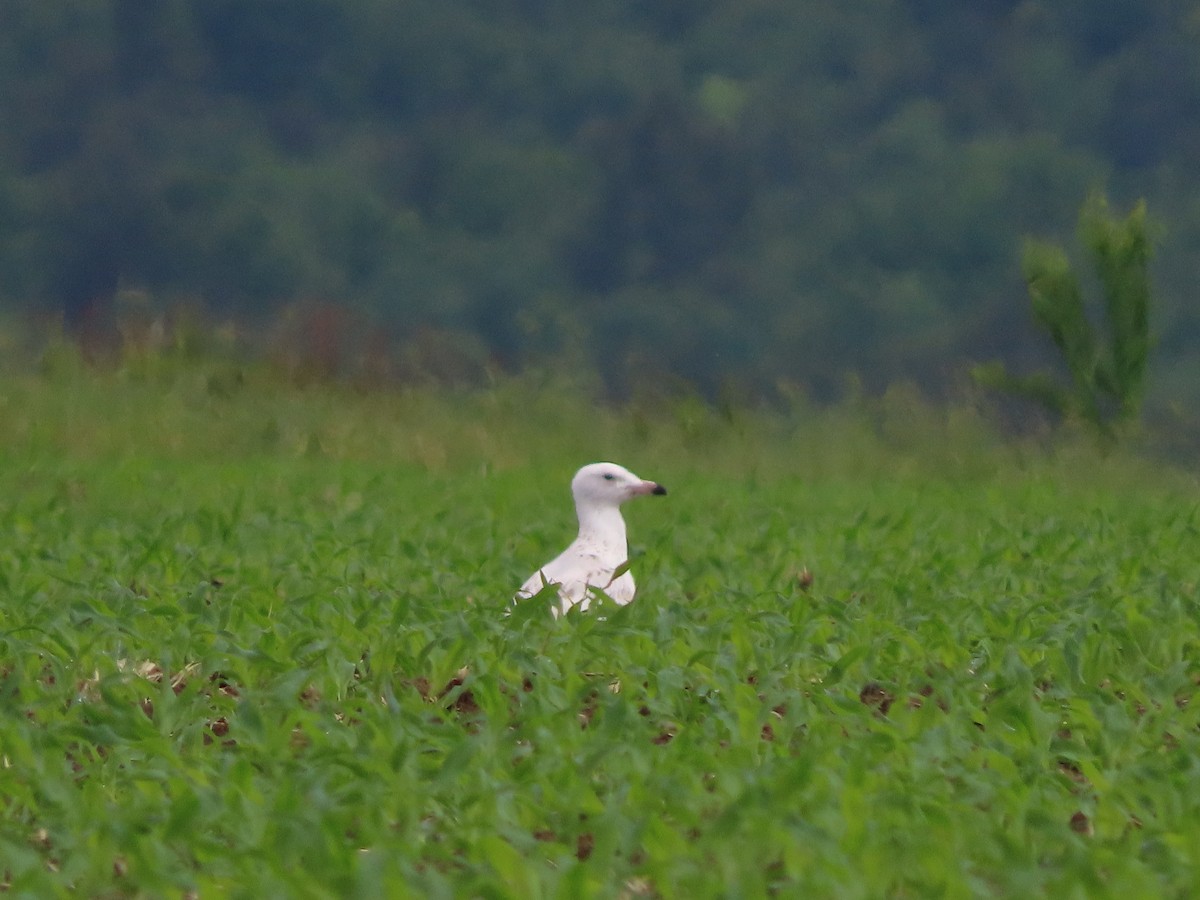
x: 598, y: 558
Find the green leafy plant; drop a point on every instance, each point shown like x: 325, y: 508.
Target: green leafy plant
x: 1107, y: 369
x: 242, y: 669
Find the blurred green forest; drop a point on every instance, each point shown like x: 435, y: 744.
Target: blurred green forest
x: 745, y: 192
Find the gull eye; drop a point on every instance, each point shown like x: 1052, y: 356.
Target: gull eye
x: 609, y: 476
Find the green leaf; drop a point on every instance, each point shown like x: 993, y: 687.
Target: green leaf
x: 838, y: 670
x: 506, y: 862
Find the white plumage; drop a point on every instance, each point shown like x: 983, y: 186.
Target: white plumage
x: 600, y: 551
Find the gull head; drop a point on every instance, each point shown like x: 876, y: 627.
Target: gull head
x: 607, y: 484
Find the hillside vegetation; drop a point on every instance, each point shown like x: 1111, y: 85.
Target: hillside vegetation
x: 723, y: 191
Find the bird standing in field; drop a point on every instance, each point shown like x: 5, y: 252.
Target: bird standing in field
x: 597, y: 559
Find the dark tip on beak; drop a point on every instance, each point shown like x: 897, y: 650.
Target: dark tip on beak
x: 659, y: 489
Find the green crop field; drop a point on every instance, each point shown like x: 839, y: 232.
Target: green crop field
x: 252, y: 644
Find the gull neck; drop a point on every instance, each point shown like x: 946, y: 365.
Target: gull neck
x: 602, y: 526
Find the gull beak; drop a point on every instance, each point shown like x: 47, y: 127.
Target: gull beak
x: 649, y: 487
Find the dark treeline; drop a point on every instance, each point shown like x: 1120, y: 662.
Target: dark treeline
x: 717, y: 189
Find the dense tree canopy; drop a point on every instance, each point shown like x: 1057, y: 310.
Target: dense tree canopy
x: 713, y: 189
